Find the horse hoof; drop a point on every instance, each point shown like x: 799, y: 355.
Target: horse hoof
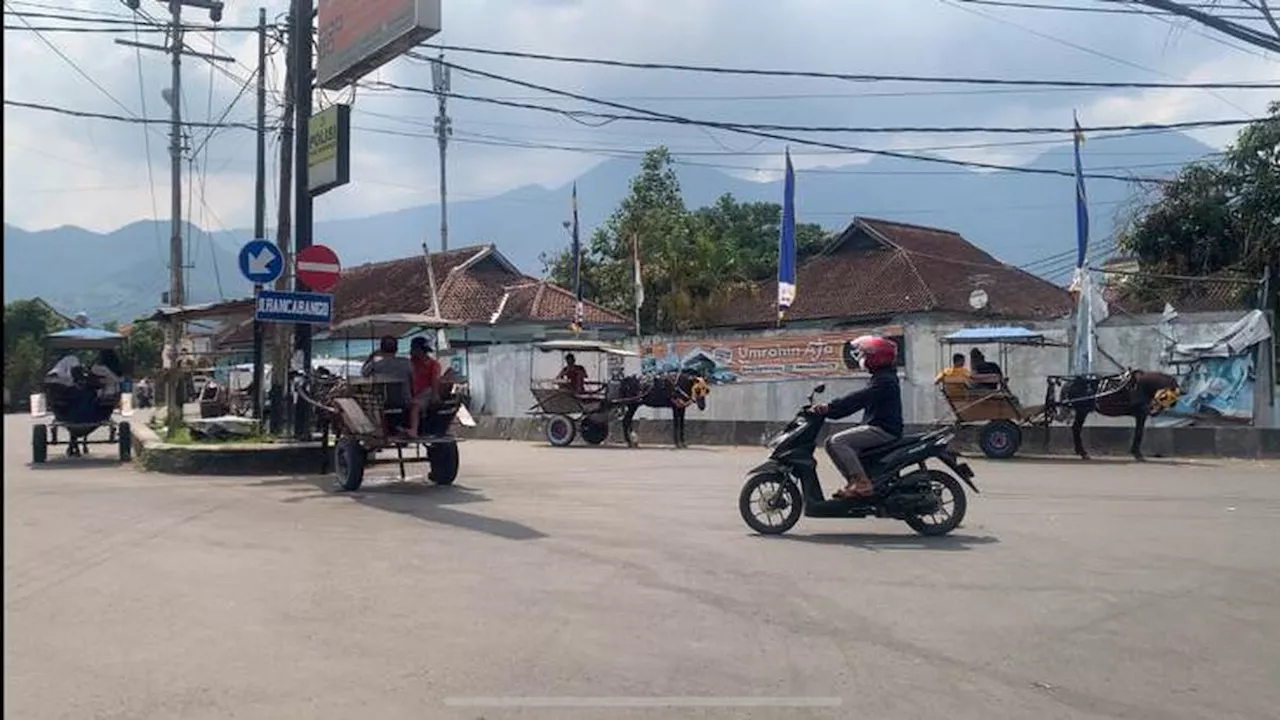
x: 1084, y: 456
x: 1139, y: 457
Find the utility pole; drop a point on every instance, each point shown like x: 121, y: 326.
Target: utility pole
x: 440, y: 83
x: 303, y: 23
x: 176, y: 49
x: 284, y: 230
x: 260, y: 201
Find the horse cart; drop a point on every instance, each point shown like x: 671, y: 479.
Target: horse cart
x: 993, y: 404
x: 369, y: 415
x: 590, y: 414
x: 84, y: 401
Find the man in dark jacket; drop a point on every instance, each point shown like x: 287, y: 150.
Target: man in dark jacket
x: 881, y: 405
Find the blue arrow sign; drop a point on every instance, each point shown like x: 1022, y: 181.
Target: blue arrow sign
x: 294, y: 307
x: 261, y: 262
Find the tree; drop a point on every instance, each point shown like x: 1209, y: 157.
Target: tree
x: 1215, y: 216
x: 26, y: 324
x: 693, y: 262
x: 142, y: 354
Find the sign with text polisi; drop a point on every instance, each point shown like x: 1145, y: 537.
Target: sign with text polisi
x: 360, y: 36
x: 329, y: 149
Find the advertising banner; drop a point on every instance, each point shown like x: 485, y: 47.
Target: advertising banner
x: 359, y: 36
x: 762, y: 359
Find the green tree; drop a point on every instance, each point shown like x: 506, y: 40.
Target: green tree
x: 26, y: 324
x: 1215, y: 216
x: 693, y: 262
x: 142, y: 354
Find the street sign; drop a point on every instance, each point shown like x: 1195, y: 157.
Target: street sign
x: 318, y: 268
x: 294, y: 307
x: 260, y: 262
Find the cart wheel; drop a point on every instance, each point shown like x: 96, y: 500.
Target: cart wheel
x: 348, y: 463
x: 444, y: 463
x: 53, y: 435
x: 560, y: 430
x: 1000, y: 439
x: 124, y: 434
x: 593, y: 432
x: 39, y: 444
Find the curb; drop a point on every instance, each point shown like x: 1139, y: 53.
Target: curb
x: 153, y: 455
x: 1231, y: 442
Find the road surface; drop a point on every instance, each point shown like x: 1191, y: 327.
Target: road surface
x: 606, y: 583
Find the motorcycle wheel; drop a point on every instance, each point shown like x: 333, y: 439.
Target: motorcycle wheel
x: 943, y: 521
x: 774, y: 495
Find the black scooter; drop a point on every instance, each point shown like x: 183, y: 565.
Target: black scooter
x: 906, y: 488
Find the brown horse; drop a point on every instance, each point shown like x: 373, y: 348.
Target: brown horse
x: 1139, y: 394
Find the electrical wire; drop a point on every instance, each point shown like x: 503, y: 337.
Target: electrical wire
x: 861, y: 78
x: 126, y: 119
x: 798, y: 140
x: 1085, y: 9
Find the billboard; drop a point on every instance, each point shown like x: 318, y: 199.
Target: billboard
x: 329, y: 149
x: 763, y: 358
x: 359, y: 36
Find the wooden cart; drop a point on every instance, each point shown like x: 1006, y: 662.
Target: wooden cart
x: 567, y: 414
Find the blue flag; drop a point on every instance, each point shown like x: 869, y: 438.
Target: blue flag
x: 787, y: 243
x: 1082, y: 347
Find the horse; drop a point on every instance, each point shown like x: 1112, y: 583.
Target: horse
x: 1139, y: 394
x: 675, y: 389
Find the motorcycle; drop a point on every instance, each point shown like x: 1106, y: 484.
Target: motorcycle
x: 905, y: 487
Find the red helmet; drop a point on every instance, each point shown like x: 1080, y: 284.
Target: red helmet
x: 870, y: 352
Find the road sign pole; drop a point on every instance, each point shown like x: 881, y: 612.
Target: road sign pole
x: 257, y: 361
x: 303, y: 76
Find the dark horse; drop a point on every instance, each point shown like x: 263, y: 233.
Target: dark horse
x: 1139, y: 394
x: 675, y: 389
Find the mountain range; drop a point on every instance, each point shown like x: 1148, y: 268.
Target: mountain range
x: 1019, y: 218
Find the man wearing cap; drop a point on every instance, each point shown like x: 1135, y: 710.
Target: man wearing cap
x: 426, y: 381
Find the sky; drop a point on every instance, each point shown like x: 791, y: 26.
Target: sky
x: 101, y: 175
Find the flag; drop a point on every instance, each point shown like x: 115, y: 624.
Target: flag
x: 639, y: 278
x: 787, y: 243
x: 1082, y: 347
x: 578, y: 316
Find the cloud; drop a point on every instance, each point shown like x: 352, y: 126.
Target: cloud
x: 96, y: 174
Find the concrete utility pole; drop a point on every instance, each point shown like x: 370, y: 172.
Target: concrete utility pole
x: 260, y: 200
x: 280, y: 409
x: 173, y: 96
x: 303, y: 77
x: 440, y: 82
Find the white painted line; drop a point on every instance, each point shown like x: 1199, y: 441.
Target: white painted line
x: 644, y: 702
x: 319, y: 267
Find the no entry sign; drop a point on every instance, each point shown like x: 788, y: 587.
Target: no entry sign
x: 318, y: 268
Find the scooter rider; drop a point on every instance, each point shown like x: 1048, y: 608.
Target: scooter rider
x: 881, y: 405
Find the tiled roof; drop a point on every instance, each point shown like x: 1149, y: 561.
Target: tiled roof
x: 880, y: 268
x: 471, y: 284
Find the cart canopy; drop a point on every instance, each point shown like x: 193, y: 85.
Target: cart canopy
x: 393, y: 324
x: 992, y: 335
x: 584, y: 346
x: 84, y: 339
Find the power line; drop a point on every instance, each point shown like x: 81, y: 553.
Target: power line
x: 121, y: 118
x: 115, y: 20
x: 146, y: 143
x: 1085, y: 9
x: 802, y: 141
x: 953, y: 80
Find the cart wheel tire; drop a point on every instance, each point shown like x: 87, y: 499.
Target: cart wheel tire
x: 593, y: 432
x: 444, y: 459
x: 124, y: 436
x: 1000, y: 439
x: 560, y: 430
x: 348, y: 463
x: 39, y: 444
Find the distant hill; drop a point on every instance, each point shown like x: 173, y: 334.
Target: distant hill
x: 1019, y: 218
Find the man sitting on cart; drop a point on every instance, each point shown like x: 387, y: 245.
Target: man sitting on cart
x: 986, y: 374
x: 425, y: 382
x: 573, y: 375
x: 957, y: 373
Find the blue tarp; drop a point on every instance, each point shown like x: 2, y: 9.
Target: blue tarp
x: 993, y: 334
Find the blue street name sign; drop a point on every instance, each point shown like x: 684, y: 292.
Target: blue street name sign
x: 261, y: 262
x: 294, y: 307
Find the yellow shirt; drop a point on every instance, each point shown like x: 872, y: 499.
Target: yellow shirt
x: 954, y: 374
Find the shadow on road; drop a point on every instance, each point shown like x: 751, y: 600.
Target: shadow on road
x: 876, y: 542
x: 1095, y: 461
x: 424, y: 501
x: 62, y: 462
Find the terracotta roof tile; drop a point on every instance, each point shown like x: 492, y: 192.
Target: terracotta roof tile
x: 880, y: 268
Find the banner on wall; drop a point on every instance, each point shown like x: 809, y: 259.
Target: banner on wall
x: 793, y: 356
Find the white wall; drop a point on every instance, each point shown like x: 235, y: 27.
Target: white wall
x: 500, y: 375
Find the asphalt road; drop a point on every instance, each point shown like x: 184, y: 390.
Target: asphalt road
x: 606, y: 583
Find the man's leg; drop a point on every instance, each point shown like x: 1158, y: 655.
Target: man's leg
x: 843, y: 448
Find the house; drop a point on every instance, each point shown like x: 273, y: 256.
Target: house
x: 878, y: 269
x: 476, y: 285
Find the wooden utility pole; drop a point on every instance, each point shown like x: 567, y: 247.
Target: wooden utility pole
x: 280, y: 356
